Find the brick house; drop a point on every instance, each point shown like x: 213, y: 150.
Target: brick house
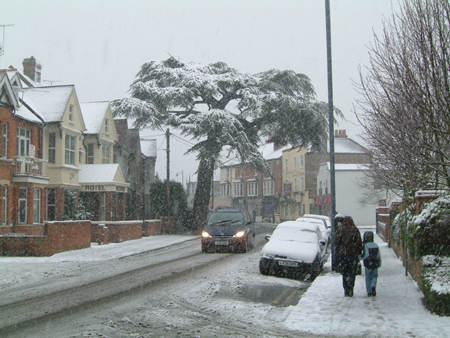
x: 22, y: 174
x: 243, y: 186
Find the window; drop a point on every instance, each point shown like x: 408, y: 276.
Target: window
x: 302, y: 183
x: 106, y: 126
x: 5, y: 205
x: 70, y: 149
x: 37, y: 206
x: 286, y: 166
x: 5, y: 140
x: 302, y: 162
x: 106, y: 153
x: 51, y: 204
x: 52, y: 148
x: 23, y: 141
x: 102, y: 206
x: 295, y: 183
x: 114, y: 207
x: 22, y: 205
x: 295, y: 162
x: 71, y: 112
x: 268, y: 187
x: 226, y: 189
x: 237, y: 189
x: 252, y: 188
x: 90, y: 153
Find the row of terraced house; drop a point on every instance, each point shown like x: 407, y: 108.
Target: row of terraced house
x: 299, y: 183
x: 62, y: 159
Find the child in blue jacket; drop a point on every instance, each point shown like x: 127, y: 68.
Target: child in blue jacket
x: 372, y: 261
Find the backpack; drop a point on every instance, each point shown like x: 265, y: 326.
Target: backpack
x: 371, y: 262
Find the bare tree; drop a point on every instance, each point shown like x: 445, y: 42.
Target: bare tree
x: 405, y: 109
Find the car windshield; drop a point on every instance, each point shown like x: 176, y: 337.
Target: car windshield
x: 225, y: 217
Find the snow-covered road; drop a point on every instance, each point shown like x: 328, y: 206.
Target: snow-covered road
x: 218, y: 300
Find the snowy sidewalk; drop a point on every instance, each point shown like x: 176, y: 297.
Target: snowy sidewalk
x: 396, y: 311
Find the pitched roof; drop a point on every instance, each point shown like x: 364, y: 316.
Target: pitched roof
x: 50, y: 102
x: 93, y: 115
x: 347, y: 145
x: 98, y: 173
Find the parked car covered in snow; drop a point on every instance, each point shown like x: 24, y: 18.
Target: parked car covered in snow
x: 325, y: 219
x: 294, y: 250
x: 228, y: 229
x: 326, y: 232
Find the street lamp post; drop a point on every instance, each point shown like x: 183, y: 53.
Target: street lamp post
x: 331, y: 135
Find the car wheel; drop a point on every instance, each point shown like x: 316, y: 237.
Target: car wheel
x: 264, y: 266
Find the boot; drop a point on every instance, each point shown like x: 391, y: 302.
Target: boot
x: 374, y: 291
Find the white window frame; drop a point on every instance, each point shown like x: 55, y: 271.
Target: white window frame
x: 23, y: 142
x: 70, y: 146
x: 20, y: 202
x: 36, y: 206
x: 237, y: 188
x: 52, y: 148
x: 106, y: 153
x: 268, y: 185
x: 252, y: 188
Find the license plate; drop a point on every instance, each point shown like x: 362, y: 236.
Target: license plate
x: 287, y: 263
x: 221, y: 242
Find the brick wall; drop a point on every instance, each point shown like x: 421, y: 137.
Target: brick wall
x: 70, y: 235
x: 46, y: 240
x: 383, y: 220
x: 151, y: 227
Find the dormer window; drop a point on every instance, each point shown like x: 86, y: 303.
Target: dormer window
x: 71, y: 112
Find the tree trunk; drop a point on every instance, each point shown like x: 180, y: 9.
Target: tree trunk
x: 203, y: 192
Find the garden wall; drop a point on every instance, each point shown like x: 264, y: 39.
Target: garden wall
x: 54, y: 237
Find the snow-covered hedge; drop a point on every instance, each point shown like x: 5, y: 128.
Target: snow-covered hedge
x: 429, y: 233
x: 436, y: 283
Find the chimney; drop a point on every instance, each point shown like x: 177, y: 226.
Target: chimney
x: 340, y: 133
x: 32, y: 69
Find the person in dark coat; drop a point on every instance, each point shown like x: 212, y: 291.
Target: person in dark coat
x: 349, y: 248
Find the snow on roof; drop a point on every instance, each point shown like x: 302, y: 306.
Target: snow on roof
x: 347, y: 145
x: 348, y: 166
x: 98, y: 173
x: 25, y: 113
x: 267, y: 150
x: 93, y: 115
x: 148, y: 147
x: 50, y: 102
x: 24, y: 80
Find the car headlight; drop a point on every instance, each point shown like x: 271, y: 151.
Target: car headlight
x: 239, y: 234
x: 205, y: 234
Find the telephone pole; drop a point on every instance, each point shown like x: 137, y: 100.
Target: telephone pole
x: 168, y: 173
x: 2, y: 47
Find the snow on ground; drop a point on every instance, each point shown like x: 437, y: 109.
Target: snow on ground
x: 397, y: 310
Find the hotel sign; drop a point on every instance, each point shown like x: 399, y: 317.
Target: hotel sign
x: 103, y: 188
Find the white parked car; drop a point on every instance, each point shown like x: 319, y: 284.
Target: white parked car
x: 326, y: 219
x: 326, y: 232
x: 293, y: 250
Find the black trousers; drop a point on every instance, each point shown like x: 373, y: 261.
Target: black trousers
x: 348, y: 266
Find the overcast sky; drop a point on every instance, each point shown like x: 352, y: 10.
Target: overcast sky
x: 99, y: 45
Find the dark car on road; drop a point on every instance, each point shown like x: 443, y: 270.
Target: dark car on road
x: 228, y: 229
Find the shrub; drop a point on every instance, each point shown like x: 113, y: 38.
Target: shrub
x: 436, y: 283
x: 430, y: 231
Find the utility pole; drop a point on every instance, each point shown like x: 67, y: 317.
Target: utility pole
x: 2, y: 47
x: 331, y: 135
x: 168, y: 173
